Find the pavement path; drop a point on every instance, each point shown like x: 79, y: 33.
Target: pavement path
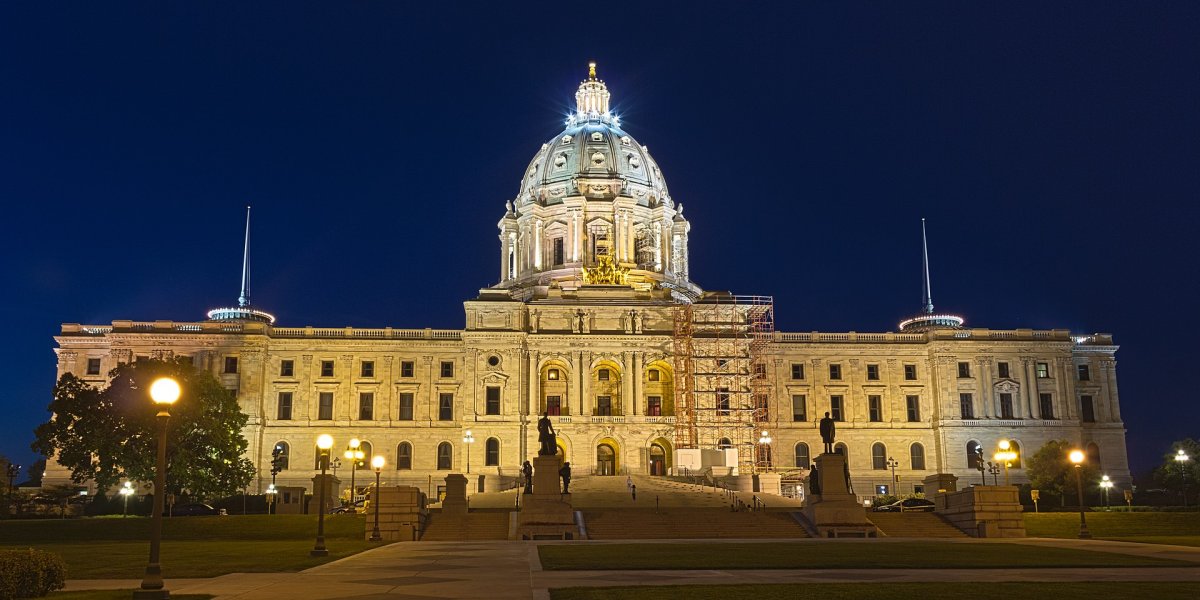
x: 504, y: 570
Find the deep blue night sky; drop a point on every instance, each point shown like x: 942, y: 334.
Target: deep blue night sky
x: 1054, y: 151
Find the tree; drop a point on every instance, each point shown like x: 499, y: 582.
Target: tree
x: 1051, y: 471
x: 111, y: 434
x: 1172, y: 476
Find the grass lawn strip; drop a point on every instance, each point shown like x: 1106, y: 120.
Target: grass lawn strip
x: 884, y: 591
x: 1111, y: 525
x: 110, y: 548
x: 830, y: 555
x: 1178, y: 540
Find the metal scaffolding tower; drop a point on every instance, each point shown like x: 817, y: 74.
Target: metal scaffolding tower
x: 722, y: 382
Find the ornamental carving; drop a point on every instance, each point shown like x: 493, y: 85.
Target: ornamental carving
x: 606, y: 273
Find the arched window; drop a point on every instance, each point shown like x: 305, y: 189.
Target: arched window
x: 917, y: 452
x: 1093, y: 454
x: 404, y: 457
x: 973, y: 455
x: 280, y: 454
x: 1016, y: 449
x: 491, y: 453
x: 802, y: 456
x: 445, y: 455
x: 840, y: 448
x: 724, y: 444
x: 878, y: 456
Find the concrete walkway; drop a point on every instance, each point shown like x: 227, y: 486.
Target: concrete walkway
x: 512, y: 570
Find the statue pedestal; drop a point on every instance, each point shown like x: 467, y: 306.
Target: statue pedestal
x: 546, y: 514
x: 835, y: 512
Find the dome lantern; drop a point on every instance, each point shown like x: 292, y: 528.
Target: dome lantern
x: 592, y: 97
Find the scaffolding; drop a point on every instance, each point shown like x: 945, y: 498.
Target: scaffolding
x: 722, y: 382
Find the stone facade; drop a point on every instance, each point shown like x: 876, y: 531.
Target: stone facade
x: 583, y: 324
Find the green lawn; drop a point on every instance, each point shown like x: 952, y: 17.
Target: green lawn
x: 192, y: 546
x: 1114, y: 525
x: 884, y: 591
x: 829, y: 555
x: 1178, y: 540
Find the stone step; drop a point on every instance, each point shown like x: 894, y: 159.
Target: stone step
x: 472, y: 526
x: 914, y: 524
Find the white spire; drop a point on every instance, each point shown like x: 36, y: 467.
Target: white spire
x: 592, y: 96
x: 927, y: 302
x: 244, y: 297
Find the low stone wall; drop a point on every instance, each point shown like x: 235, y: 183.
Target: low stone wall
x: 983, y: 511
x: 402, y: 513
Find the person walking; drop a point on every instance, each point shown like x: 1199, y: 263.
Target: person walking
x: 633, y: 491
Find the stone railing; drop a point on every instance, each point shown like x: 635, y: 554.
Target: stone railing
x: 386, y: 333
x: 854, y: 337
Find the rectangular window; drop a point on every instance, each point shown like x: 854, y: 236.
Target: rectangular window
x: 366, y: 406
x: 1088, y: 409
x: 325, y: 406
x: 762, y: 408
x: 447, y: 369
x: 966, y: 406
x: 1006, y: 406
x: 446, y: 407
x: 1085, y: 373
x: 554, y: 405
x: 799, y: 407
x: 797, y: 371
x: 914, y: 408
x: 284, y: 410
x: 1046, y: 404
x: 652, y: 375
x: 1043, y: 370
x: 1003, y: 367
x: 406, y: 368
x: 93, y: 366
x: 230, y: 364
x: 602, y: 375
x: 654, y: 406
x: 559, y: 255
x: 835, y: 408
x: 604, y: 406
x: 835, y: 372
x: 723, y: 402
x: 875, y: 408
x: 910, y: 372
x: 964, y: 370
x: 368, y: 369
x: 493, y: 400
x: 286, y: 368
x: 406, y: 406
x: 327, y: 368
x: 872, y: 372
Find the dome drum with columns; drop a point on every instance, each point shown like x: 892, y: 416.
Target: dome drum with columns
x: 593, y: 199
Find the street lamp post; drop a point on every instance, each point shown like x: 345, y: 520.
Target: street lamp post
x: 1181, y: 457
x: 164, y: 391
x: 1077, y: 457
x: 271, y: 492
x: 377, y: 463
x: 126, y: 492
x: 994, y: 469
x: 892, y: 463
x: 354, y: 454
x: 468, y: 439
x: 1105, y: 484
x: 324, y: 444
x: 982, y: 466
x: 11, y: 472
x: 1005, y: 456
x: 765, y: 440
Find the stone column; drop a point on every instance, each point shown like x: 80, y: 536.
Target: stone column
x: 618, y: 236
x: 387, y: 400
x: 637, y: 383
x: 503, y: 256
x: 533, y: 402
x: 304, y: 400
x: 537, y: 245
x: 1030, y: 385
x: 1108, y: 366
x: 585, y: 387
x: 1067, y: 389
x: 627, y: 383
x: 985, y: 393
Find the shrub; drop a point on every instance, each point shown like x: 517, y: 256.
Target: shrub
x: 30, y: 573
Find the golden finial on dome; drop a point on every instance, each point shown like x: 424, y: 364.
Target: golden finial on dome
x: 592, y: 70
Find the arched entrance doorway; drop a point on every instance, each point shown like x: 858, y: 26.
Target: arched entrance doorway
x: 658, y: 460
x: 606, y: 459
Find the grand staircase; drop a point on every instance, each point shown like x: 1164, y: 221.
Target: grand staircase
x: 914, y: 525
x: 481, y: 525
x: 688, y: 523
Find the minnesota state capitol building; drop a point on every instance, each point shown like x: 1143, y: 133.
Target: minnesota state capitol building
x: 595, y: 321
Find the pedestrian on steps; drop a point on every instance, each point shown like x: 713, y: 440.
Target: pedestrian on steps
x: 628, y: 482
x: 633, y: 490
